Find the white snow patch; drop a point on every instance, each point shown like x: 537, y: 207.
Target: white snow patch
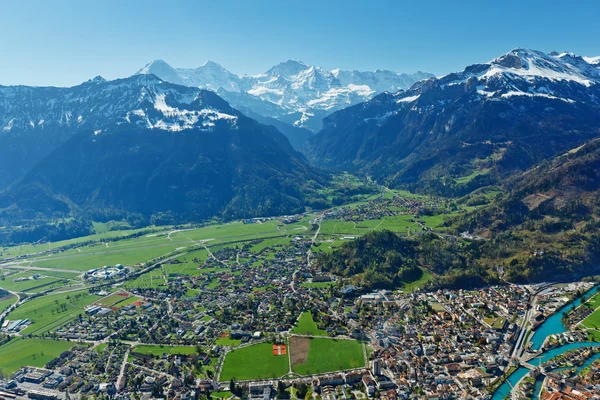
x: 408, y: 99
x: 518, y: 93
x: 9, y: 125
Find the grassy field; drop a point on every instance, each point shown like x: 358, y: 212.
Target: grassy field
x: 399, y: 224
x: 307, y: 326
x: 7, y: 302
x: 35, y: 248
x: 411, y: 287
x: 112, y: 299
x: 101, y: 347
x: 30, y: 285
x: 328, y: 246
x: 320, y: 285
x: 221, y: 395
x: 151, y: 279
x: 594, y: 301
x: 200, y: 255
x: 145, y: 248
x: 327, y: 355
x: 254, y: 362
x: 226, y: 341
x: 593, y: 320
x: 52, y: 311
x: 270, y: 243
x: 30, y: 352
x: 158, y: 351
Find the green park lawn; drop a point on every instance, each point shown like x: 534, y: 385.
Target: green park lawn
x: 412, y: 286
x: 254, y: 362
x: 327, y: 355
x: 158, y: 351
x: 30, y: 352
x: 593, y: 320
x: 226, y: 341
x: 307, y: 326
x: 318, y: 285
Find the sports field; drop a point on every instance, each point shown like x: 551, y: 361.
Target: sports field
x: 30, y: 352
x: 307, y: 326
x: 320, y: 355
x: 254, y: 362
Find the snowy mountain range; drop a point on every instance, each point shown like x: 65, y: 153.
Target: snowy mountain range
x: 141, y: 146
x: 291, y: 92
x: 471, y: 128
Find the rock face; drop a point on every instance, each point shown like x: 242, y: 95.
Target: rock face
x: 452, y: 134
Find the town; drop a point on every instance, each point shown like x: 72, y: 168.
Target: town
x: 241, y: 310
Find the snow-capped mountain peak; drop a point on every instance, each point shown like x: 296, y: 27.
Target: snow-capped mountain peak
x: 163, y: 70
x: 143, y: 100
x: 287, y: 68
x: 292, y: 91
x: 532, y: 64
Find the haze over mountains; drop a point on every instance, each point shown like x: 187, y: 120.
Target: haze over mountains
x: 172, y: 152
x: 291, y: 92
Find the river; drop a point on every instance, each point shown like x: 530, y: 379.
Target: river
x: 553, y: 324
x: 505, y: 389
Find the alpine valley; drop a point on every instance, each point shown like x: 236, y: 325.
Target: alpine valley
x: 501, y: 156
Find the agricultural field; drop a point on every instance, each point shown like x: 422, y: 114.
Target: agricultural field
x: 270, y: 243
x: 200, y: 255
x: 7, y: 302
x: 133, y: 251
x: 328, y: 246
x: 158, y: 351
x: 333, y: 227
x: 30, y: 285
x: 400, y: 224
x: 254, y: 362
x: 152, y: 279
x: 320, y: 355
x: 307, y: 326
x: 36, y: 248
x: 30, y: 352
x: 52, y: 311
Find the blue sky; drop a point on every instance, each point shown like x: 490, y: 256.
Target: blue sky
x: 65, y: 42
